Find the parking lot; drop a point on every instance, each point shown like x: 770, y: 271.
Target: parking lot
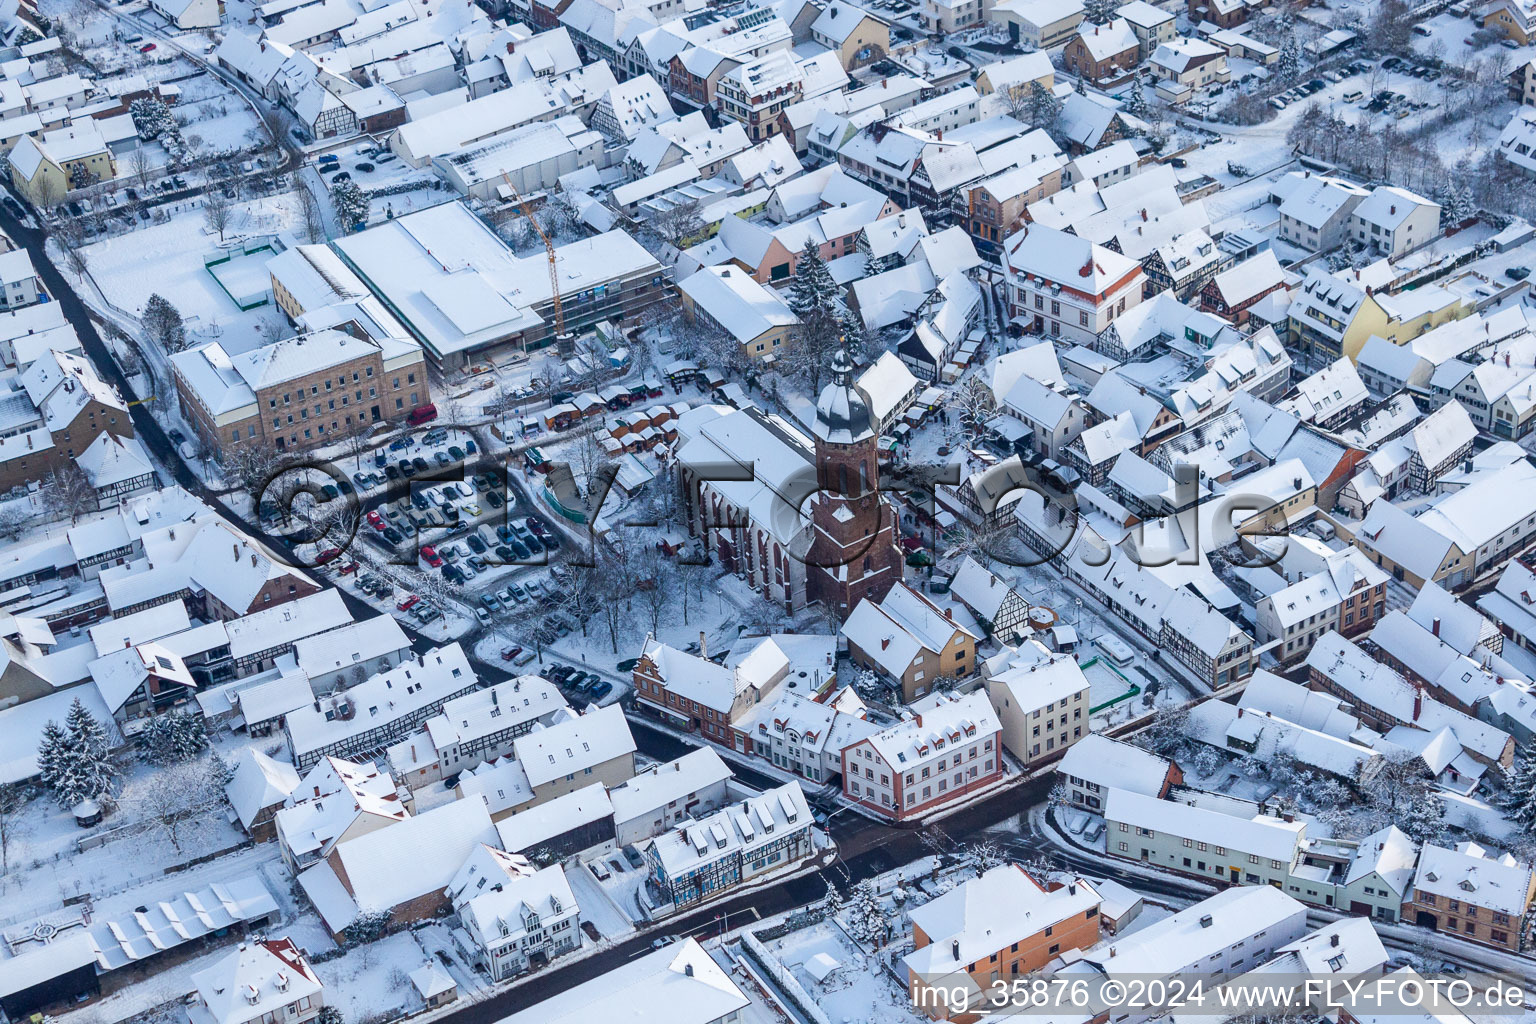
x: 425, y: 502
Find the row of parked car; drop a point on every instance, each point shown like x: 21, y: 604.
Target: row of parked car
x: 574, y: 680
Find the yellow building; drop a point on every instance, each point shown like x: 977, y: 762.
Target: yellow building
x: 1515, y: 18
x: 1017, y: 73
x: 728, y: 299
x: 67, y: 158
x: 857, y: 36
x: 1335, y: 317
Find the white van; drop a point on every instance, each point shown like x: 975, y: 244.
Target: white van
x: 1354, y: 95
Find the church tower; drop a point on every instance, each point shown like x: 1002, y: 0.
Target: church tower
x: 853, y: 553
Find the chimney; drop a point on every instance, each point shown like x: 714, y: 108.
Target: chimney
x: 949, y: 613
x: 885, y: 642
x: 688, y: 970
x: 703, y: 645
x: 1434, y: 627
x: 1205, y: 922
x: 236, y: 548
x: 1143, y: 213
x: 954, y: 948
x: 1418, y: 702
x: 1333, y: 940
x: 1393, y: 208
x: 1239, y: 711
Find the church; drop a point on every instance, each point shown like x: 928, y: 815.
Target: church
x: 799, y: 517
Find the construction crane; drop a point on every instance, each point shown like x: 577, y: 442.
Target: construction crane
x: 562, y: 342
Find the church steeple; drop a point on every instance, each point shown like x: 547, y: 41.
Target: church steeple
x: 853, y: 551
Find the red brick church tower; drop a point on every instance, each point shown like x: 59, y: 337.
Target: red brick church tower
x: 853, y: 553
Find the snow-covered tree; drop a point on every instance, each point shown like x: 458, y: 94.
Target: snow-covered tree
x: 832, y: 902
x: 1100, y: 12
x: 151, y: 118
x: 1135, y: 103
x: 864, y: 916
x: 1044, y: 108
x: 350, y: 203
x: 75, y: 761
x: 1165, y: 733
x: 329, y: 1014
x: 1289, y: 64
x: 368, y: 926
x: 1461, y: 208
x: 813, y: 291
x: 1424, y: 819
x: 162, y: 321
x: 814, y: 298
x: 987, y: 854
x: 172, y: 737
x: 1519, y: 801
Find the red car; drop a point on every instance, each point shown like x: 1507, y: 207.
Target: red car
x: 508, y: 653
x: 410, y: 602
x: 348, y: 567
x: 430, y: 556
x: 328, y: 555
x: 146, y: 48
x: 375, y: 518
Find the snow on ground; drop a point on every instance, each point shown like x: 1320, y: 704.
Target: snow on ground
x: 47, y: 866
x: 373, y: 980
x: 168, y: 259
x: 858, y: 990
x: 610, y: 906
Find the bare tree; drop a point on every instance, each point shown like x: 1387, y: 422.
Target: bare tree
x: 655, y: 584
x: 71, y: 236
x: 309, y: 208
x: 68, y: 492
x: 217, y: 210
x: 175, y: 803
x: 140, y: 166
x: 10, y: 823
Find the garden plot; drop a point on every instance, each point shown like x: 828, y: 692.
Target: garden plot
x: 847, y: 983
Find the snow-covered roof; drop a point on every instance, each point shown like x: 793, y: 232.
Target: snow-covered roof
x: 1185, y: 939
x: 1109, y: 40
x: 662, y: 784
x: 1470, y: 874
x: 529, y: 829
x: 480, y: 713
x: 355, y: 643
x: 938, y: 715
x: 1115, y: 764
x: 1266, y: 837
x: 409, y: 858
x: 283, y: 624
x: 983, y: 915
x: 1056, y: 256
x: 732, y: 833
x: 1382, y: 689
x: 257, y: 978
x: 1389, y: 206
x: 413, y: 684
x: 733, y: 299
x: 259, y: 782
x: 1390, y: 854
x: 678, y: 984
x: 574, y: 742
